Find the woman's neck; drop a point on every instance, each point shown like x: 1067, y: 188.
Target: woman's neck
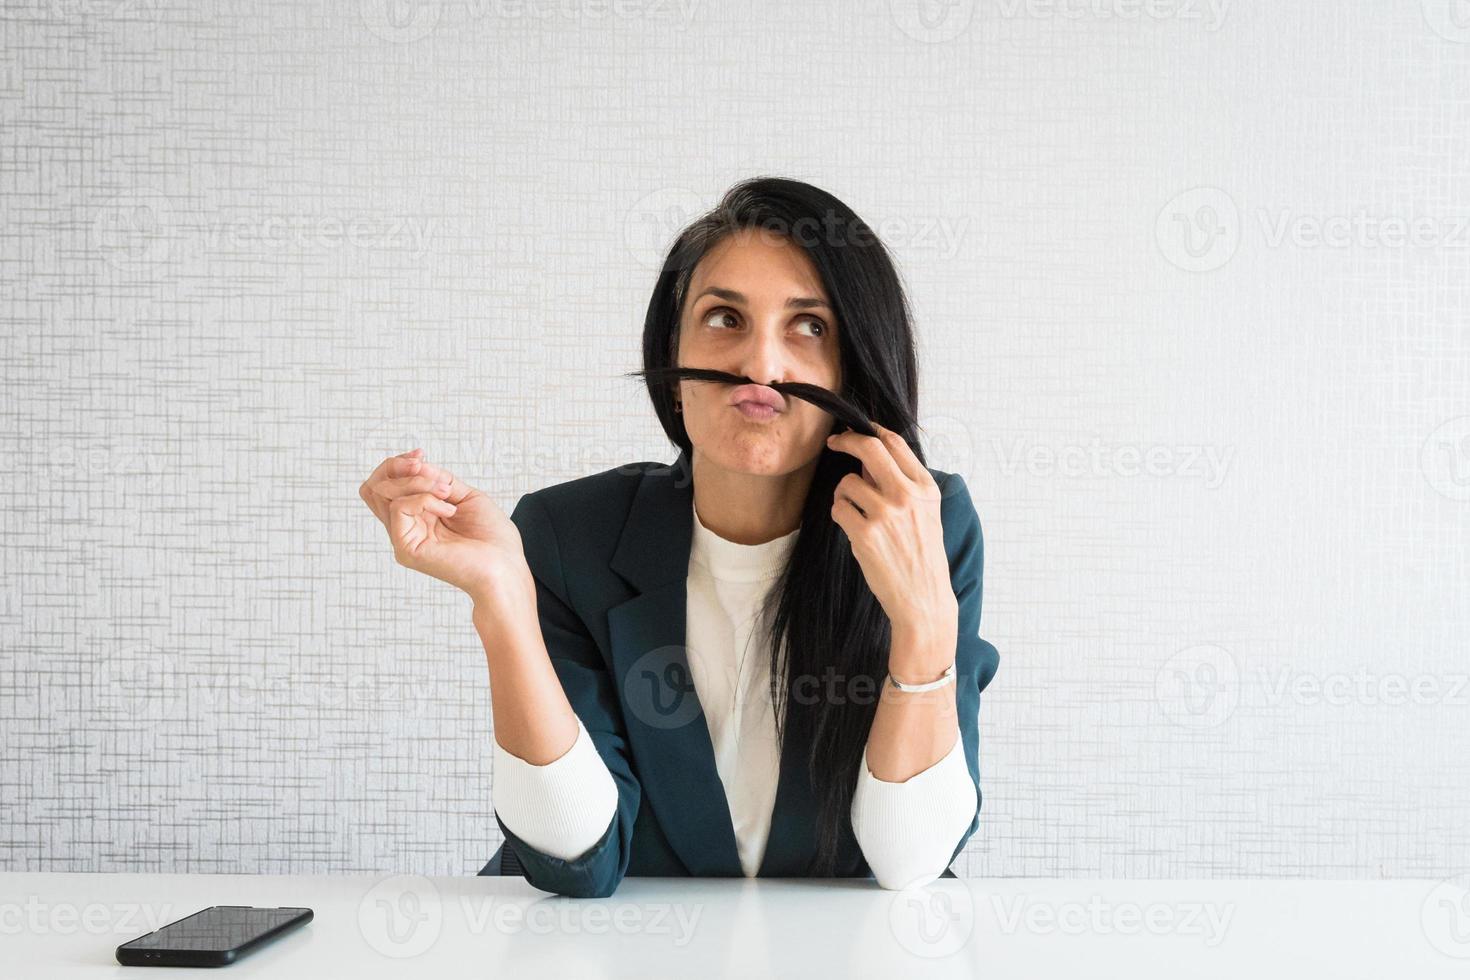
x: 749, y: 508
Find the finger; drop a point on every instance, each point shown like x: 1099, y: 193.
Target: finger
x: 376, y: 504
x: 378, y: 490
x: 403, y: 486
x: 458, y: 489
x: 400, y: 465
x: 882, y: 467
x: 403, y: 464
x: 848, y: 516
x: 903, y: 454
x: 409, y: 518
x: 860, y: 492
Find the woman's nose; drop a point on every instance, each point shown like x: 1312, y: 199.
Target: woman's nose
x: 764, y: 360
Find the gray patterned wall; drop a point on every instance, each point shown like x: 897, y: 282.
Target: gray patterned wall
x: 1192, y: 283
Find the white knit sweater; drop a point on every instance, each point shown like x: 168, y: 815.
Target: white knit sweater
x: 907, y: 830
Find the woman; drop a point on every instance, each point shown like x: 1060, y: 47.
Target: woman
x: 764, y: 659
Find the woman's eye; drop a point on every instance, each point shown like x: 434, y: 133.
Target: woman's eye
x: 816, y: 327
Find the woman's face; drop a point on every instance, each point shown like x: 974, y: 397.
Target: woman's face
x: 757, y: 307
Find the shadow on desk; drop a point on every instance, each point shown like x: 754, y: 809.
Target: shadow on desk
x: 505, y: 862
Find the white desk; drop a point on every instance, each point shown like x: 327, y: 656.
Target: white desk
x: 67, y: 925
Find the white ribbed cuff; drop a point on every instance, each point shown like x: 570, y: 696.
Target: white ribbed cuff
x: 561, y: 808
x: 908, y: 830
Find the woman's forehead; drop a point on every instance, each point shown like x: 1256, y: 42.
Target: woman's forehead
x: 764, y: 266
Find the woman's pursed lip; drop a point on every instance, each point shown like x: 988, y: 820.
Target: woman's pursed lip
x: 756, y: 410
x: 758, y: 395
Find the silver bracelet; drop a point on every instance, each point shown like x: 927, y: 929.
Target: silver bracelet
x: 944, y: 678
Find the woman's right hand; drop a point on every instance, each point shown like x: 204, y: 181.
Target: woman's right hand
x: 441, y: 526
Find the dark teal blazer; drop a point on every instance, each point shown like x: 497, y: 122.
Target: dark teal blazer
x: 610, y: 557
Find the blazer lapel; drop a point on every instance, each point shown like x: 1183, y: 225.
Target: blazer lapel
x: 666, y: 725
x: 792, y: 841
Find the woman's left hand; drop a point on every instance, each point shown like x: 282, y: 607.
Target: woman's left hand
x: 891, y: 515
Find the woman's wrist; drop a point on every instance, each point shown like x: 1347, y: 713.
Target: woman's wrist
x: 509, y: 631
x: 508, y: 591
x: 920, y: 652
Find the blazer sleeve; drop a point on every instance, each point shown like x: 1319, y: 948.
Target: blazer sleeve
x: 976, y: 659
x: 588, y: 684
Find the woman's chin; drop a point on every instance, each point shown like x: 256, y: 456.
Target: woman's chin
x: 758, y: 451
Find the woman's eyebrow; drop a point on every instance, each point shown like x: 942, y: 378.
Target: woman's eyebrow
x: 794, y: 303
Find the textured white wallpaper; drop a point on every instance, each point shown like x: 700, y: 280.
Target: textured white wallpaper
x: 1193, y: 285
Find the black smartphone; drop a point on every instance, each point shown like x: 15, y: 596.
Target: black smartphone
x: 216, y: 936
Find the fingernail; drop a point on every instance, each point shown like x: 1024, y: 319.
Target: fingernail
x: 441, y: 487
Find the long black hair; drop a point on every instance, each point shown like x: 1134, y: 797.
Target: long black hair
x: 829, y: 636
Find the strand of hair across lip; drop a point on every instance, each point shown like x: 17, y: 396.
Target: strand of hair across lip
x: 828, y: 401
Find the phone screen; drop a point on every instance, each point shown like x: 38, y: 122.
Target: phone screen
x: 221, y: 929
